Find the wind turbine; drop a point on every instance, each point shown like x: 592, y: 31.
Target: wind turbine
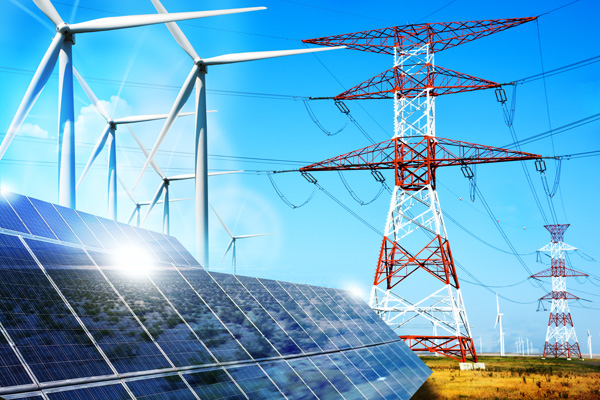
x: 499, y: 322
x: 233, y: 241
x: 61, y: 50
x: 109, y: 135
x: 589, y: 343
x: 197, y: 77
x: 138, y: 205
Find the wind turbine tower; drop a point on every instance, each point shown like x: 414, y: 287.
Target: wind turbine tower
x: 561, y: 339
x: 60, y: 51
x: 589, y: 337
x: 197, y: 78
x: 499, y: 323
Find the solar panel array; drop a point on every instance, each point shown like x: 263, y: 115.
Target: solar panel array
x: 78, y: 323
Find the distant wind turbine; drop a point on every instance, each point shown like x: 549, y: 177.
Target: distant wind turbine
x: 499, y: 322
x: 589, y: 343
x: 234, y: 239
x: 197, y: 78
x: 61, y: 50
x: 138, y: 205
x: 109, y: 135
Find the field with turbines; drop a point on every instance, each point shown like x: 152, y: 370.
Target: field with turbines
x: 512, y: 378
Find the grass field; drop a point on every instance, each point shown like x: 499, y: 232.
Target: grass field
x: 512, y: 378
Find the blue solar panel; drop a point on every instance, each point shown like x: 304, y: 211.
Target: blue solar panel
x: 170, y: 387
x: 55, y: 221
x: 27, y: 212
x: 84, y: 297
x: 214, y: 384
x: 112, y: 392
x: 78, y: 226
x: 255, y: 383
x: 9, y: 219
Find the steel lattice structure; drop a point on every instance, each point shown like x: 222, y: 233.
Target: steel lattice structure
x: 415, y: 234
x: 561, y: 339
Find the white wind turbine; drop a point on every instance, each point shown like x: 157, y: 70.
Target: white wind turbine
x: 109, y: 135
x: 164, y: 187
x: 197, y: 77
x: 233, y: 241
x: 499, y: 322
x: 61, y: 49
x: 589, y: 343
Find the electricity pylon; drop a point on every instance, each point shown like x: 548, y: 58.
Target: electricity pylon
x: 561, y: 339
x: 415, y: 153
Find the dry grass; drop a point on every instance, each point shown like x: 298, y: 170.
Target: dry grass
x: 512, y: 378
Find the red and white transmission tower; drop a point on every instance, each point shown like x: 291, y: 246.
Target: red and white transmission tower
x: 561, y: 339
x: 414, y: 153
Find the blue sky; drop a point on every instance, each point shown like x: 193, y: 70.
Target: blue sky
x: 139, y: 71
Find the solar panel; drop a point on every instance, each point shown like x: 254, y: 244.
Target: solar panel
x: 94, y: 309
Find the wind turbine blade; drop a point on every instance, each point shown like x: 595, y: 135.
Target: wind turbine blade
x: 149, y: 117
x: 184, y: 199
x: 33, y: 91
x: 182, y: 177
x: 182, y: 97
x: 224, y: 172
x: 255, y: 235
x: 47, y: 8
x: 177, y: 33
x: 132, y: 215
x: 226, y: 251
x: 153, y: 163
x: 154, y: 201
x: 126, y: 190
x: 496, y: 323
x: 222, y: 223
x: 91, y: 96
x: 261, y: 55
x: 97, y: 149
x: 131, y: 21
x: 497, y: 304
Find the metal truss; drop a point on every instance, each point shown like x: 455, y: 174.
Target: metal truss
x: 439, y: 35
x: 561, y: 339
x: 415, y: 239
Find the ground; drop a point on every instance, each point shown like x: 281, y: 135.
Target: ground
x: 512, y: 378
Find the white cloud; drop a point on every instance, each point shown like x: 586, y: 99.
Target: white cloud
x: 28, y: 129
x: 89, y: 124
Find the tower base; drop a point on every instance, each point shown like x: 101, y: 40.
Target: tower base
x: 459, y: 348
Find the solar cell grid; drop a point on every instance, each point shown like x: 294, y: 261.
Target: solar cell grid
x: 55, y: 221
x: 83, y: 304
x: 106, y: 316
x: 12, y: 372
x: 255, y: 383
x: 288, y: 380
x: 112, y: 392
x: 169, y: 387
x: 105, y: 239
x: 336, y: 377
x: 314, y: 378
x: 29, y: 215
x: 214, y: 384
x: 78, y: 226
x: 228, y: 312
x: 279, y: 314
x: 303, y: 319
x: 199, y: 317
x: 35, y: 317
x: 160, y: 319
x: 257, y: 314
x: 9, y: 219
x: 313, y: 308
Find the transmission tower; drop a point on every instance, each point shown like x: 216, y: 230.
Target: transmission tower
x: 561, y: 339
x: 415, y: 153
